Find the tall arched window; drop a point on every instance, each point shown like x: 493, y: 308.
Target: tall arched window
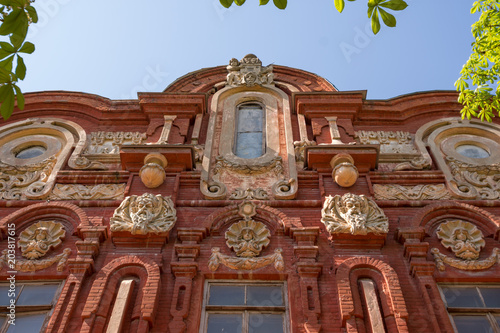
x: 250, y: 131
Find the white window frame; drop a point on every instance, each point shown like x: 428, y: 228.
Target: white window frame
x: 489, y: 313
x: 22, y: 310
x: 245, y: 310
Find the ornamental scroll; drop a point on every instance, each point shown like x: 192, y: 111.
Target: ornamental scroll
x: 247, y: 238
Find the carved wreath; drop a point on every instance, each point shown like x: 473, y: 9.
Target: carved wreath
x: 354, y: 214
x: 144, y: 214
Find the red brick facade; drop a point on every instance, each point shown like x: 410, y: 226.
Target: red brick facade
x: 321, y: 268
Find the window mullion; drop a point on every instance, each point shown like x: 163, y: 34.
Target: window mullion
x: 481, y: 296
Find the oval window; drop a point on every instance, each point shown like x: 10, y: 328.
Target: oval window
x: 30, y: 152
x: 472, y: 151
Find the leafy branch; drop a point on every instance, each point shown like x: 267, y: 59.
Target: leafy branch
x: 375, y: 10
x: 482, y: 70
x: 16, y: 16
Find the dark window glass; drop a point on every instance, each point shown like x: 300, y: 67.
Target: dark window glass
x: 264, y: 296
x: 227, y: 295
x: 462, y: 297
x: 37, y: 294
x: 31, y: 152
x: 491, y: 297
x: 472, y: 324
x: 224, y: 323
x: 27, y: 323
x: 265, y: 323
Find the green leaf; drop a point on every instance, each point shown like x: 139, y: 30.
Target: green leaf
x: 7, y: 47
x: 372, y: 3
x: 7, y: 99
x: 339, y: 4
x: 32, y: 12
x: 281, y: 4
x: 11, y: 22
x: 388, y: 19
x: 19, y: 97
x: 27, y: 48
x: 7, y: 63
x: 226, y: 3
x: 375, y: 22
x: 20, y: 68
x: 4, y: 54
x: 263, y: 2
x: 394, y: 4
x: 239, y: 2
x: 370, y: 11
x: 16, y: 41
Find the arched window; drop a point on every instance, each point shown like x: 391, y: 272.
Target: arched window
x: 250, y: 131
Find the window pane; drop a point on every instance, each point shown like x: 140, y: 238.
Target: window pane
x: 472, y: 324
x: 264, y: 296
x: 265, y: 323
x: 31, y: 323
x: 224, y: 323
x: 249, y: 131
x: 491, y: 297
x: 37, y: 294
x: 227, y: 295
x: 462, y: 297
x: 4, y: 295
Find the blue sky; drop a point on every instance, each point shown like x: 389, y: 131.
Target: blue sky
x: 115, y: 48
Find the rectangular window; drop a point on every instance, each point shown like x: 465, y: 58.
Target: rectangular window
x: 244, y: 308
x: 33, y: 305
x: 473, y: 309
x: 250, y: 131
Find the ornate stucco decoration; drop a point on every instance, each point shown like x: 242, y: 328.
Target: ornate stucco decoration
x: 354, y: 214
x: 468, y: 154
x: 144, y: 214
x: 247, y: 238
x: 465, y: 240
x: 224, y: 171
x: 276, y: 165
x: 483, y: 181
x: 249, y: 72
x: 39, y: 238
x: 22, y: 181
x: 390, y: 142
x: 416, y: 192
x: 300, y: 148
x: 33, y: 151
x: 105, y: 143
x: 88, y: 192
x: 249, y: 194
x: 35, y: 242
x: 27, y: 265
